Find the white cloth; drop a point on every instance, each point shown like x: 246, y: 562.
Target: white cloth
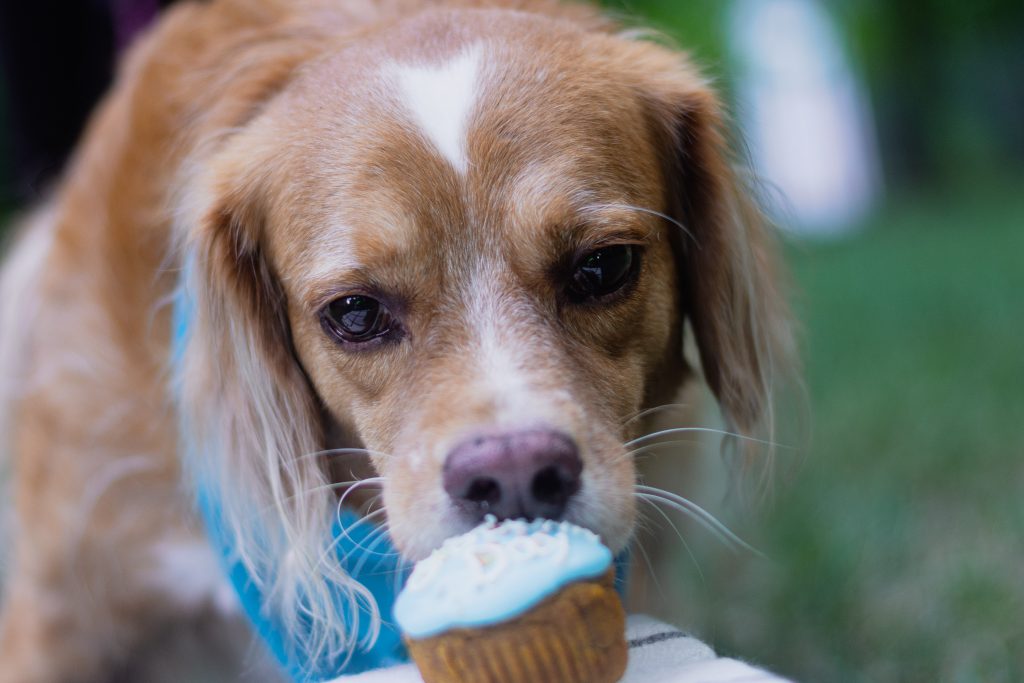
x: 658, y: 653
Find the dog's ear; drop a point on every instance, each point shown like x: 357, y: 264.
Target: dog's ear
x: 728, y: 274
x: 250, y: 419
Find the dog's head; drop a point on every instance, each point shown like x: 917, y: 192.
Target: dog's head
x: 469, y: 246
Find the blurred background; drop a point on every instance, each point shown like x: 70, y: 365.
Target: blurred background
x: 887, y: 141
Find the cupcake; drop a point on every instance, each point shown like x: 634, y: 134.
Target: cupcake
x: 515, y: 602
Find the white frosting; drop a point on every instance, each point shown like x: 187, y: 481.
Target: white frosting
x: 496, y: 572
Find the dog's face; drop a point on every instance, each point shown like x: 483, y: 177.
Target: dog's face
x: 479, y: 296
x: 471, y: 248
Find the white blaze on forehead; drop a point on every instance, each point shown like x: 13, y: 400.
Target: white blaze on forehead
x: 505, y: 358
x: 440, y: 99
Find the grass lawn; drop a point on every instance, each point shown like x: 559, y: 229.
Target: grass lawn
x: 897, y: 546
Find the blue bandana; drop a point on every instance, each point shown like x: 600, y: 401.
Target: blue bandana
x: 370, y: 561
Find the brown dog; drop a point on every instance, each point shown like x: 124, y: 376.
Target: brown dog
x: 461, y: 235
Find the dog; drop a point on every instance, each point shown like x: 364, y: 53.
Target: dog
x: 447, y: 247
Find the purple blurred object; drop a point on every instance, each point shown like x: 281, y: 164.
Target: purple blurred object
x: 130, y: 17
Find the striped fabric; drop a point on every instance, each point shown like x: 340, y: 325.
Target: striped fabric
x: 658, y: 653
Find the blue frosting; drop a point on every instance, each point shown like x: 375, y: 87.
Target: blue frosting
x: 495, y: 573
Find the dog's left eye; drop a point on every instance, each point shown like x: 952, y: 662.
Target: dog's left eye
x: 604, y: 271
x: 357, y: 319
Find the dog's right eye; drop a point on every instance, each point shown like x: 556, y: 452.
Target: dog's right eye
x: 603, y: 272
x: 357, y: 319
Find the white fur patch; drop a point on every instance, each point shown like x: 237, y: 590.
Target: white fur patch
x: 501, y: 368
x: 441, y: 100
x: 504, y: 360
x: 188, y: 572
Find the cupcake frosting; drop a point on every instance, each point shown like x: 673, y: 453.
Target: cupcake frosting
x: 496, y: 572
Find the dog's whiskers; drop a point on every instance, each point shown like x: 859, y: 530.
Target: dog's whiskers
x: 379, y: 535
x: 373, y: 481
x: 374, y: 504
x: 679, y: 534
x: 333, y: 486
x: 650, y: 569
x: 659, y: 444
x: 333, y: 452
x: 656, y: 496
x: 704, y: 430
x: 633, y: 417
x: 652, y: 212
x: 346, y: 534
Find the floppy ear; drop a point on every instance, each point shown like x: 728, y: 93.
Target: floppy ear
x: 250, y: 419
x: 728, y: 272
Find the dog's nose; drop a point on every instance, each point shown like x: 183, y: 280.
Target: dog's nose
x: 530, y: 474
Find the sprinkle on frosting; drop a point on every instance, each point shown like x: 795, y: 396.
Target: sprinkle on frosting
x: 496, y: 572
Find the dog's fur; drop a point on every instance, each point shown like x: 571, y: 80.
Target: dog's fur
x: 447, y: 156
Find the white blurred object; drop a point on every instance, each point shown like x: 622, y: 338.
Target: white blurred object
x: 806, y: 118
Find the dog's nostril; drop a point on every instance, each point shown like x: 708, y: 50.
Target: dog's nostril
x: 484, y: 491
x: 550, y: 486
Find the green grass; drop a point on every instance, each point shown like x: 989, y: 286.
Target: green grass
x: 897, y: 546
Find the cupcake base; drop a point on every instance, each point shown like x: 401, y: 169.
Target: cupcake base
x: 575, y: 636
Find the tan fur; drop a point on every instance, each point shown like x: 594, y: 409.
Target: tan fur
x: 261, y: 141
